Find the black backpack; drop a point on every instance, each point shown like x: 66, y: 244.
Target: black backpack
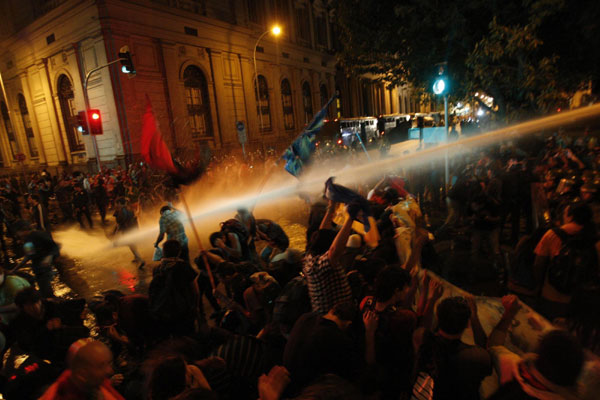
x: 575, y: 264
x: 235, y: 226
x: 166, y: 301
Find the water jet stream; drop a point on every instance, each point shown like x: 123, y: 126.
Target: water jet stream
x: 313, y: 179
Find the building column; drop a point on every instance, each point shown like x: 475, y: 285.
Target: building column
x: 53, y: 115
x: 42, y: 160
x: 216, y: 78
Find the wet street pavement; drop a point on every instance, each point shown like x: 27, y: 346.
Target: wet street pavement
x: 90, y: 264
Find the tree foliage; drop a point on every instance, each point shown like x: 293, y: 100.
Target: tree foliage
x: 528, y: 54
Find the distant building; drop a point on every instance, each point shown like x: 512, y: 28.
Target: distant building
x: 194, y: 60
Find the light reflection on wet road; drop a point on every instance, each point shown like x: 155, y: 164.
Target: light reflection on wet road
x: 91, y: 265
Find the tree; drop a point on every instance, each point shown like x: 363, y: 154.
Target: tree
x: 528, y: 54
x: 507, y: 65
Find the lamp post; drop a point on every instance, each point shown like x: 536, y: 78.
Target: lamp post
x: 440, y: 86
x: 276, y: 31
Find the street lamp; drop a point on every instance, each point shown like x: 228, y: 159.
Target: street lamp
x: 276, y: 31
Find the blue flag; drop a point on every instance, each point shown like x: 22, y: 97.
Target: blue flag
x: 341, y: 194
x: 297, y: 155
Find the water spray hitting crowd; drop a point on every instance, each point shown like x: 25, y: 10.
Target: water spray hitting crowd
x: 247, y: 282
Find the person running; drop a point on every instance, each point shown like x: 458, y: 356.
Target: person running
x: 126, y: 222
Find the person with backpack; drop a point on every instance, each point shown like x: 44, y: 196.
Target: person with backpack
x: 171, y: 225
x: 126, y: 222
x: 566, y: 258
x: 173, y: 293
x: 275, y: 237
x: 235, y: 240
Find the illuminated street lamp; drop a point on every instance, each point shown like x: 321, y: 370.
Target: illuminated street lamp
x: 276, y: 31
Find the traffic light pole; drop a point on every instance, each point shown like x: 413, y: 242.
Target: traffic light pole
x: 87, y: 107
x: 446, y: 127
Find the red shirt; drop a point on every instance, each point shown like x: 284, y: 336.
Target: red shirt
x: 65, y: 389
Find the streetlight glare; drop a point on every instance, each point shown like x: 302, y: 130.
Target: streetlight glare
x: 276, y: 30
x: 439, y: 86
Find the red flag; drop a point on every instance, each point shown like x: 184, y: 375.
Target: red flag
x: 153, y: 148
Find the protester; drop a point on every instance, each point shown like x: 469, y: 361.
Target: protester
x: 90, y: 367
x: 126, y: 223
x: 327, y: 281
x: 173, y: 292
x: 41, y: 250
x: 298, y: 309
x: 319, y: 344
x: 171, y: 225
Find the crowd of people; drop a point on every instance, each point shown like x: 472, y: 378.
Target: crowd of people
x: 356, y: 314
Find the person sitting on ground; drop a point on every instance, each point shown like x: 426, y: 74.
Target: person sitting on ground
x: 550, y: 373
x: 90, y: 367
x: 275, y: 237
x: 457, y: 368
x: 10, y: 285
x: 319, y: 344
x: 172, y: 376
x: 326, y: 278
x: 41, y: 250
x: 46, y: 328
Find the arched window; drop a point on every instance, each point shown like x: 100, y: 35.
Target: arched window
x: 288, y: 105
x: 33, y: 151
x: 198, y: 103
x: 10, y: 133
x: 65, y: 99
x: 307, y: 102
x: 263, y: 107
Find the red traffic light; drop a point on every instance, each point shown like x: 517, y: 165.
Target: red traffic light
x: 95, y: 121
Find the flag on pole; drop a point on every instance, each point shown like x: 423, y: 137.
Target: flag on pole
x: 153, y: 148
x: 299, y: 152
x: 157, y: 154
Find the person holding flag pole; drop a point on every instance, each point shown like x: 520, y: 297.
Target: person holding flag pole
x: 157, y: 155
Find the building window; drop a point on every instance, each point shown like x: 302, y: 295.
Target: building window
x: 198, y: 104
x: 303, y: 23
x: 10, y: 133
x: 282, y: 13
x: 65, y: 99
x: 307, y: 102
x: 321, y: 30
x: 256, y: 11
x: 33, y: 151
x: 324, y: 94
x: 263, y: 107
x: 288, y: 105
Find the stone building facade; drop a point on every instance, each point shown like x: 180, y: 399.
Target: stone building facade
x: 194, y: 61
